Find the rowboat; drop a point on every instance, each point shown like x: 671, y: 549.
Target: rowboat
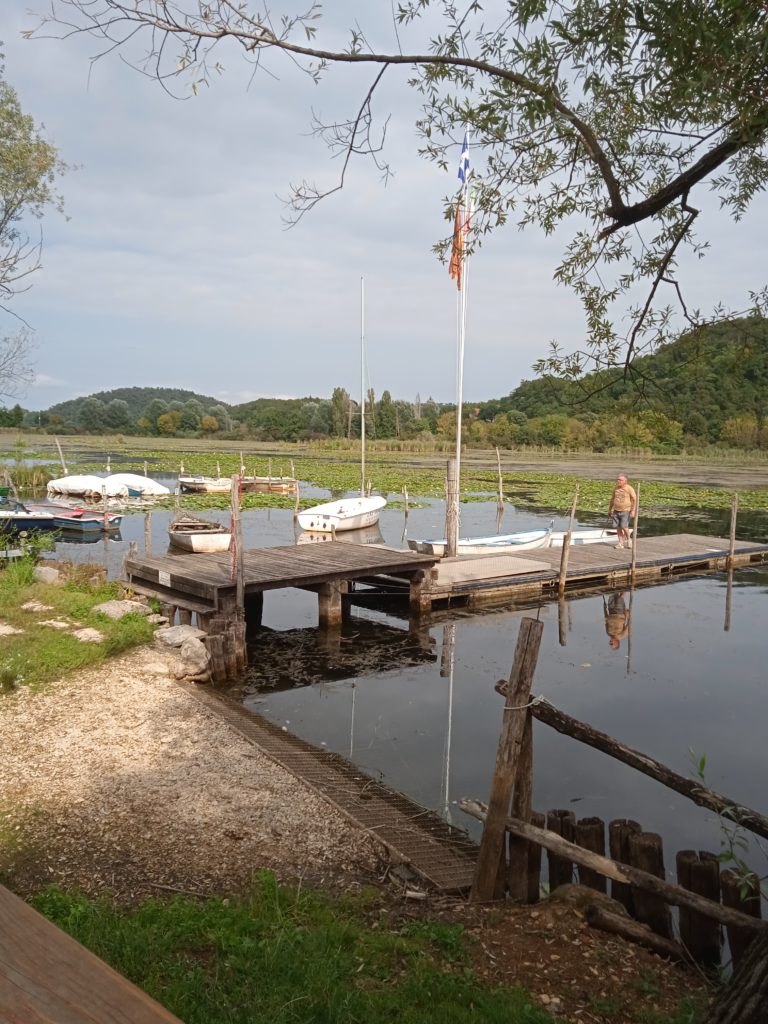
x: 368, y: 535
x: 347, y: 514
x: 506, y: 542
x: 584, y: 537
x: 205, y: 484
x: 198, y: 536
x: 270, y: 484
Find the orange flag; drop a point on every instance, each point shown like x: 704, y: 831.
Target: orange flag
x: 460, y: 230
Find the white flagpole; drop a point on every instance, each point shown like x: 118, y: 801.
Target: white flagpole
x: 362, y: 387
x: 462, y: 332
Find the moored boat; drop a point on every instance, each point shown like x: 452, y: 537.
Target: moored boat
x: 347, y: 514
x: 366, y: 535
x: 586, y: 536
x: 87, y: 486
x: 205, y: 484
x: 529, y: 540
x: 198, y: 536
x: 270, y: 484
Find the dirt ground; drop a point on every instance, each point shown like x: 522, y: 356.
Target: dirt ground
x: 118, y: 782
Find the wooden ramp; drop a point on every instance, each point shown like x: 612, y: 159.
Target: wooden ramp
x: 48, y: 978
x: 439, y: 855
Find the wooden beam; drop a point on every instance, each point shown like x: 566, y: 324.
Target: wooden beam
x: 673, y: 894
x: 692, y: 788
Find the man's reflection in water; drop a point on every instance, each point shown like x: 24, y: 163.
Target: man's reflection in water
x: 616, y: 619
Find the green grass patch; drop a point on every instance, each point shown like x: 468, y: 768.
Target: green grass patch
x: 289, y: 956
x: 41, y: 653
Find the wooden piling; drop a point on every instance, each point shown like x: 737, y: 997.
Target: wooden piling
x: 451, y: 509
x: 634, y: 532
x: 518, y: 853
x: 215, y: 644
x: 734, y: 514
x: 147, y: 533
x: 699, y: 872
x: 534, y: 861
x: 500, y: 502
x: 619, y: 832
x: 145, y: 467
x: 590, y: 833
x: 562, y: 823
x: 567, y: 546
x: 237, y: 537
x: 562, y: 621
x: 64, y: 469
x: 646, y: 853
x: 330, y: 606
x: 740, y: 892
x: 484, y: 886
x: 185, y: 617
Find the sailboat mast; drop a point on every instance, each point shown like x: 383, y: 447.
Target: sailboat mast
x: 362, y: 387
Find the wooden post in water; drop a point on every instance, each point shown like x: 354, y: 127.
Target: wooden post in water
x: 500, y: 503
x: 237, y: 537
x: 699, y: 872
x: 634, y: 531
x: 518, y: 691
x: 145, y: 467
x: 147, y: 533
x: 590, y: 833
x: 567, y: 546
x: 619, y: 832
x: 519, y: 849
x: 61, y: 457
x: 452, y: 509
x: 734, y: 514
x: 740, y: 893
x: 297, y: 502
x: 562, y: 823
x: 647, y: 854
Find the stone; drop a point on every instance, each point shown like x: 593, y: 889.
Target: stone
x: 174, y: 636
x: 193, y: 661
x: 36, y: 606
x: 157, y: 620
x: 6, y: 630
x: 46, y: 574
x: 56, y: 623
x: 118, y: 609
x: 87, y: 635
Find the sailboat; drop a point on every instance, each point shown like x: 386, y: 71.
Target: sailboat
x: 348, y: 513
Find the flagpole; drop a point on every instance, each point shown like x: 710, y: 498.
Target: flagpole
x: 362, y: 387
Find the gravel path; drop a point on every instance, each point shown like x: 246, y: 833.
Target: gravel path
x: 115, y: 780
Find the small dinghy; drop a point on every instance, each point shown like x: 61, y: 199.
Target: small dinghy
x: 205, y: 484
x: 347, y: 514
x: 509, y: 543
x: 198, y: 536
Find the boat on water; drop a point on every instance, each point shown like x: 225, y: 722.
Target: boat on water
x: 139, y: 486
x: 347, y: 514
x: 509, y: 543
x: 270, y: 484
x: 205, y: 484
x: 87, y: 486
x: 49, y: 516
x: 198, y: 536
x: 586, y: 536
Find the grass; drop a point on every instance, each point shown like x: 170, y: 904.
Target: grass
x: 41, y: 653
x: 289, y: 956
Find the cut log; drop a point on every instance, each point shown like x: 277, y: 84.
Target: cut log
x: 633, y: 931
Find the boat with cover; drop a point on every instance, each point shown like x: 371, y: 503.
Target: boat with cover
x: 508, y: 543
x: 349, y: 513
x: 139, y: 486
x: 205, y: 484
x: 197, y: 535
x: 88, y: 486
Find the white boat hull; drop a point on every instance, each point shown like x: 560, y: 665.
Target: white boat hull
x: 347, y: 514
x: 204, y: 542
x: 508, y: 543
x: 585, y: 537
x: 205, y: 484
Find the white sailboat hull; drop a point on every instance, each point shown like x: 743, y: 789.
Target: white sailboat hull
x: 347, y: 514
x: 508, y: 543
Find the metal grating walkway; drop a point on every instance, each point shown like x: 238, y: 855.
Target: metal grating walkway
x: 442, y: 856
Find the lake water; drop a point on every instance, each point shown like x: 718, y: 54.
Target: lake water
x: 419, y: 710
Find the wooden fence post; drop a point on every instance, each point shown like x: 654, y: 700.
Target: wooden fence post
x: 451, y: 510
x: 647, y: 854
x: 562, y: 823
x: 619, y: 832
x: 747, y: 902
x: 590, y: 833
x: 507, y: 759
x: 699, y: 872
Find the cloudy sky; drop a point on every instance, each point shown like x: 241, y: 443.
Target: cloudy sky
x: 173, y: 266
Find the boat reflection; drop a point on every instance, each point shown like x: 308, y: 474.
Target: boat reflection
x: 294, y: 658
x: 368, y: 535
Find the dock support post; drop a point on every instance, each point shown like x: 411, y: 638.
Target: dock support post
x: 567, y: 547
x: 452, y: 509
x: 254, y: 612
x: 185, y: 617
x: 420, y: 601
x: 634, y: 532
x: 734, y: 514
x: 147, y: 533
x: 330, y: 605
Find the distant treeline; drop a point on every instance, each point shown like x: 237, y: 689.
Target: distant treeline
x: 709, y: 387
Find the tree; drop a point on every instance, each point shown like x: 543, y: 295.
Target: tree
x: 117, y: 415
x: 28, y: 169
x: 607, y: 115
x: 91, y: 415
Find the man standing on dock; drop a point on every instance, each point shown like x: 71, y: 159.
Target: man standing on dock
x: 622, y: 508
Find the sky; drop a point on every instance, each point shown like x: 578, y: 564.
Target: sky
x: 172, y: 266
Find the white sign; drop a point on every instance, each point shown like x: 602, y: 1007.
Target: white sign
x: 164, y: 578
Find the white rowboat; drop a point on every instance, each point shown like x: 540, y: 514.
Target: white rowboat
x: 199, y: 536
x: 504, y: 542
x: 347, y: 514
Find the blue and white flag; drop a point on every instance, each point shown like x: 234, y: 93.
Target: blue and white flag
x: 464, y: 168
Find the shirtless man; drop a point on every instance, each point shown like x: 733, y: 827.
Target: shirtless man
x: 622, y: 508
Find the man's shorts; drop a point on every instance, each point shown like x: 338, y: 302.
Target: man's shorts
x: 621, y: 520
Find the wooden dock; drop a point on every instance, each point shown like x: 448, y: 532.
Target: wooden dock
x: 204, y: 584
x: 46, y: 976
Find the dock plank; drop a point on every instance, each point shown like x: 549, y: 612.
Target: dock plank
x: 46, y: 977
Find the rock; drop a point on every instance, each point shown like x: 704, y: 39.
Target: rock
x: 174, y: 636
x: 117, y: 609
x: 193, y: 661
x: 87, y: 635
x: 156, y: 668
x: 45, y: 574
x: 6, y: 630
x: 157, y: 620
x: 56, y: 623
x: 36, y: 606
